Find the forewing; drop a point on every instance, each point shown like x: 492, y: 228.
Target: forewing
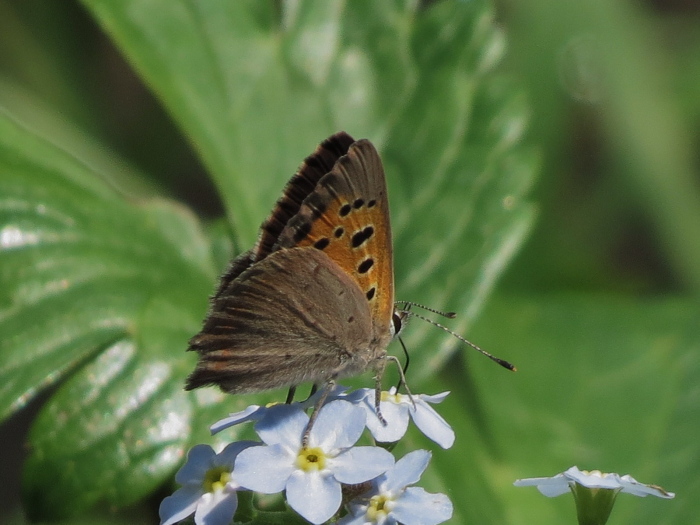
x: 347, y: 217
x: 299, y: 187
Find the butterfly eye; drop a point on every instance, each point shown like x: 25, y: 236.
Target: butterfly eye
x: 397, y: 322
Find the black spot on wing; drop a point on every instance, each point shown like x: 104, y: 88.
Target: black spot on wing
x: 322, y: 243
x: 361, y: 236
x: 365, y: 265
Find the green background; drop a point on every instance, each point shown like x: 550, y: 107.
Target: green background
x: 542, y: 167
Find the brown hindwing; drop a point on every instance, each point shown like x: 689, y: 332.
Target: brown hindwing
x: 290, y: 318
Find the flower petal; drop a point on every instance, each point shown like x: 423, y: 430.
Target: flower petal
x: 396, y: 417
x: 360, y: 464
x: 418, y: 507
x: 356, y: 517
x: 339, y: 425
x: 406, y: 471
x: 198, y: 462
x: 550, y: 487
x: 593, y: 480
x: 632, y: 486
x: 227, y: 457
x: 179, y: 505
x: 314, y: 495
x: 216, y: 508
x: 252, y: 413
x: 338, y: 391
x: 434, y: 398
x: 283, y: 424
x: 263, y: 469
x: 432, y: 424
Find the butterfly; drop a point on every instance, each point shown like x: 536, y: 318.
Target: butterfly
x: 313, y: 301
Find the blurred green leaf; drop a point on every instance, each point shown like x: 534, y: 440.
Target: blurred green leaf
x: 628, y: 155
x: 603, y: 383
x: 92, y: 278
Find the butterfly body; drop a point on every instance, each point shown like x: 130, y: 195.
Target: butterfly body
x: 314, y: 299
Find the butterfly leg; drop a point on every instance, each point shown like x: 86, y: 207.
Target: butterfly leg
x: 402, y: 378
x: 378, y: 389
x: 330, y: 384
x: 378, y: 399
x: 290, y: 395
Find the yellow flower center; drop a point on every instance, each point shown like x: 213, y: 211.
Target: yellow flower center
x: 311, y: 459
x: 216, y: 478
x: 392, y: 398
x: 379, y: 506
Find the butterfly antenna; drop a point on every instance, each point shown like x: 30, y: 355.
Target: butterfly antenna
x: 408, y: 304
x: 502, y: 362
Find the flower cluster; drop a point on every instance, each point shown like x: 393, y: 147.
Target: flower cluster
x: 317, y: 471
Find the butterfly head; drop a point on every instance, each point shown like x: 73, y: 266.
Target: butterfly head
x: 398, y: 321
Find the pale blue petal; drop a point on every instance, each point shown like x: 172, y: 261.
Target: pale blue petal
x: 358, y: 396
x: 554, y: 489
x: 358, y: 518
x: 418, y: 507
x: 435, y: 398
x: 360, y: 464
x: 396, y: 417
x: 179, y: 505
x: 337, y: 392
x: 199, y: 460
x: 227, y: 457
x: 632, y: 486
x: 407, y: 471
x: 216, y: 509
x: 432, y: 424
x: 314, y: 495
x: 263, y: 469
x: 339, y: 425
x: 252, y: 413
x: 593, y: 479
x: 283, y: 424
x: 550, y: 487
x: 395, y: 414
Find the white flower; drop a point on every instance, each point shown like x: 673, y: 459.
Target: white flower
x: 562, y: 483
x: 207, y: 488
x: 392, y: 501
x: 396, y: 409
x: 311, y: 475
x: 251, y: 413
x: 257, y: 412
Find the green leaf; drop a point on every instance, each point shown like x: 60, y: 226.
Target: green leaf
x: 90, y: 278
